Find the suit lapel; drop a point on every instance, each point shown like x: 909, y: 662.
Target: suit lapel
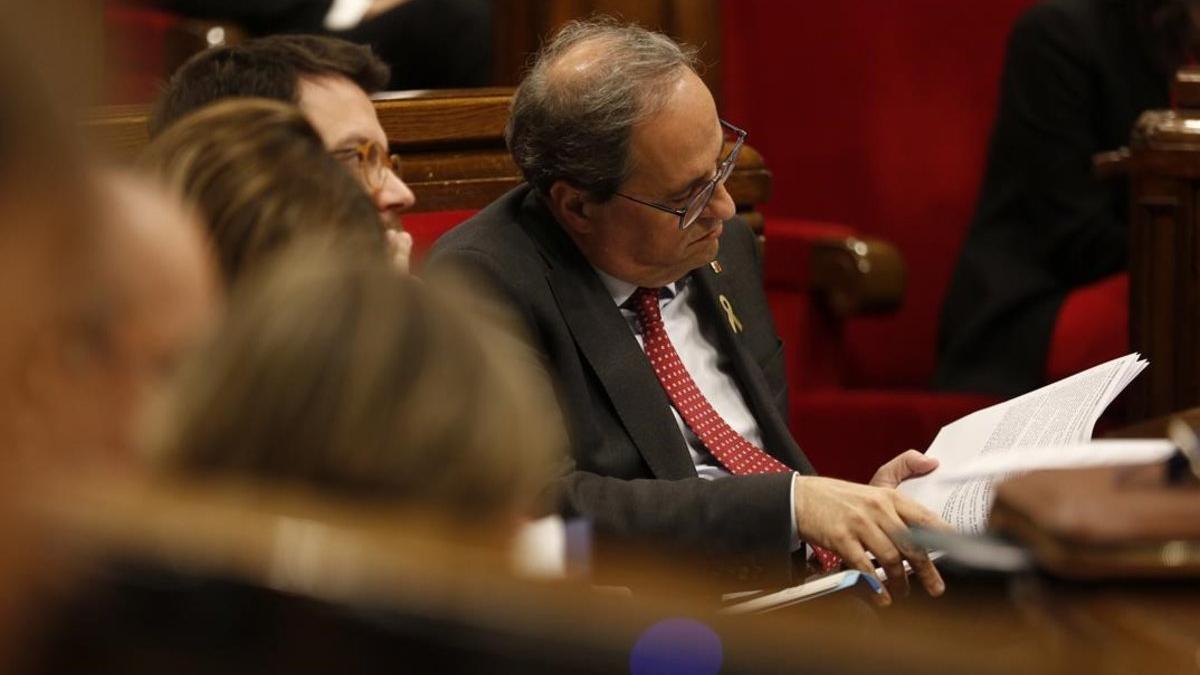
x: 776, y: 436
x: 610, y: 349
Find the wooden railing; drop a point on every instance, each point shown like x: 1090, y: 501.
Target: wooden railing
x: 1163, y: 163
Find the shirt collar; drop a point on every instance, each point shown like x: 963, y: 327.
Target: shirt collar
x: 621, y: 290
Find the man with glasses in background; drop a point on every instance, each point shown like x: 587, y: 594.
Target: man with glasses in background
x: 330, y: 80
x: 643, y: 293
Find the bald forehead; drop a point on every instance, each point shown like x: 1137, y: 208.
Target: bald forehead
x: 150, y: 242
x: 141, y: 215
x: 582, y: 59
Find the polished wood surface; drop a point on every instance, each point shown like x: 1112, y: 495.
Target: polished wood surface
x: 444, y: 591
x: 520, y: 27
x: 858, y: 276
x: 1163, y: 164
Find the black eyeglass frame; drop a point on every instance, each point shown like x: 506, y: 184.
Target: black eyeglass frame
x: 698, y: 203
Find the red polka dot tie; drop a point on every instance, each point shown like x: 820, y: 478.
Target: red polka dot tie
x: 738, y: 455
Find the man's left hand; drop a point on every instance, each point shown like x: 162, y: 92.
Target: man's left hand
x: 399, y: 248
x: 904, y: 466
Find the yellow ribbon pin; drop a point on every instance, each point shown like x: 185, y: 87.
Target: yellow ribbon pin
x: 734, y: 322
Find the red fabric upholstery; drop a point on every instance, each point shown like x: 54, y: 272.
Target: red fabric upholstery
x: 1092, y: 327
x: 849, y: 434
x: 814, y: 340
x: 877, y: 115
x: 846, y: 432
x: 427, y: 227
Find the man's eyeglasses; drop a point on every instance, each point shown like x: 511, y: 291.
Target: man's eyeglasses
x: 696, y: 204
x: 372, y: 162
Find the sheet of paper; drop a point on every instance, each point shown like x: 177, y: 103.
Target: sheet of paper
x: 1063, y: 413
x: 830, y: 583
x: 1093, y: 453
x: 823, y: 585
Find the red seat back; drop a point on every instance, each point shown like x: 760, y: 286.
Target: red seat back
x: 875, y: 114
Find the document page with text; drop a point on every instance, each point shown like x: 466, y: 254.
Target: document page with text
x: 1060, y: 414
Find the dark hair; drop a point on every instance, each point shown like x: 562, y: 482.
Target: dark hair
x: 576, y: 127
x: 267, y: 67
x: 259, y: 175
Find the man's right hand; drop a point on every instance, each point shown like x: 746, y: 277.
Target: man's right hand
x: 851, y: 519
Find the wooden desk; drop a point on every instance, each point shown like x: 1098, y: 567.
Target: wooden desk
x: 324, y: 588
x: 1156, y: 427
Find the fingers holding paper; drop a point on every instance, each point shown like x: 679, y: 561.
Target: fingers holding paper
x: 856, y: 521
x: 907, y: 464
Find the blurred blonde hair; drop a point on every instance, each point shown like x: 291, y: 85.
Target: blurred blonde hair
x: 259, y: 174
x: 335, y: 372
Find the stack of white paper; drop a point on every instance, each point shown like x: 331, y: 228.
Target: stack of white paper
x: 1046, y: 428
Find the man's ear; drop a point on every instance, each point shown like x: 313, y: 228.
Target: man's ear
x: 570, y: 207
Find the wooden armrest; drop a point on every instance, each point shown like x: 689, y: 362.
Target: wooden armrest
x: 849, y: 274
x: 857, y: 276
x: 1111, y: 164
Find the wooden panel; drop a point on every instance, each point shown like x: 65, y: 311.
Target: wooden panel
x: 522, y: 25
x: 414, y: 119
x: 452, y: 143
x: 1164, y: 265
x: 118, y: 131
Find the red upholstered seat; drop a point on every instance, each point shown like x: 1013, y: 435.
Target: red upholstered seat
x: 876, y: 115
x: 846, y: 429
x: 427, y: 227
x: 1092, y: 327
x: 855, y: 431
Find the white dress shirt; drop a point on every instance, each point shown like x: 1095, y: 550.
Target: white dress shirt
x: 709, y: 368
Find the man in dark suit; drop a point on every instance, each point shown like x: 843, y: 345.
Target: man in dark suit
x: 1077, y: 75
x: 624, y: 245
x: 429, y: 44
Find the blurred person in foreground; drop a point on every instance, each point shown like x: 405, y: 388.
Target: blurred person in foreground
x: 257, y: 172
x: 644, y: 295
x: 45, y: 230
x: 138, y: 295
x: 332, y: 372
x: 103, y: 280
x: 330, y: 80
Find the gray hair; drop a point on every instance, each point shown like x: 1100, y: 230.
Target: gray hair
x: 577, y: 127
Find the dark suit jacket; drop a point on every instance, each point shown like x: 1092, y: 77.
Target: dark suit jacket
x: 632, y: 474
x: 1077, y: 74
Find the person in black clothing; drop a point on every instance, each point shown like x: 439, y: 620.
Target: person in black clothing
x: 429, y: 44
x: 1077, y: 75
